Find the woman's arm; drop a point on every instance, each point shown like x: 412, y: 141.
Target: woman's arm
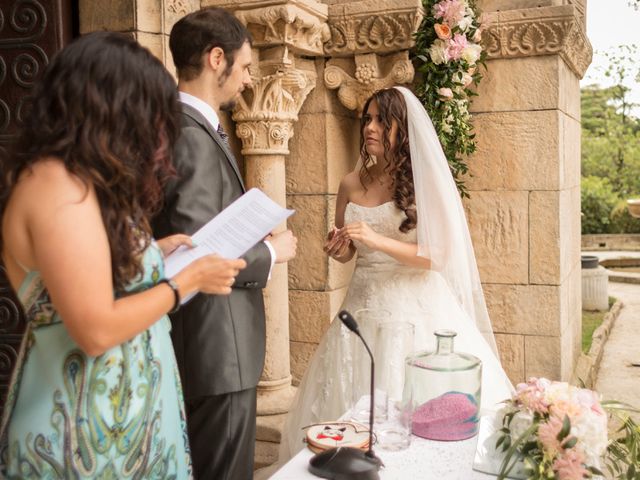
x: 338, y: 247
x: 68, y: 245
x: 406, y: 253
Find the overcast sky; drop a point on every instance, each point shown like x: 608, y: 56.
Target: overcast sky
x: 611, y: 23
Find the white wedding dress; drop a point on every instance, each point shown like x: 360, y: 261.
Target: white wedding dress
x: 413, y: 295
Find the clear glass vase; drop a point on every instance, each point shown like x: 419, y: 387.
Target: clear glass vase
x: 444, y: 387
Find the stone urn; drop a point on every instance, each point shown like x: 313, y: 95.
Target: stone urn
x: 633, y: 204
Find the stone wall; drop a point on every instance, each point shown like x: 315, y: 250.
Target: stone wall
x: 605, y: 241
x: 149, y: 21
x: 524, y: 211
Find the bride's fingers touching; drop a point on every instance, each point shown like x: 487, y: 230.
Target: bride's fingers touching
x: 335, y: 248
x: 332, y: 244
x: 362, y: 232
x: 342, y: 248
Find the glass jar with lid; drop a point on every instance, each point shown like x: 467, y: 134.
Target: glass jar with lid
x: 444, y: 387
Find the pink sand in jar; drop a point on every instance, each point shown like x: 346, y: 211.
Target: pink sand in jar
x: 452, y: 416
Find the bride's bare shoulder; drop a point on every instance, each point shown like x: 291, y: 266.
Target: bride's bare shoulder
x: 350, y: 183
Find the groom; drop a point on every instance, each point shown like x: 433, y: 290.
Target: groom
x: 219, y: 340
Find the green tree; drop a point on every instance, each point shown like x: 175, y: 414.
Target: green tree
x: 611, y: 146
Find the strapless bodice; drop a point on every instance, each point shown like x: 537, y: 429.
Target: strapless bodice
x: 384, y: 219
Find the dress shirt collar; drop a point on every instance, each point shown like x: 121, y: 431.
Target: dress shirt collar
x: 201, y: 106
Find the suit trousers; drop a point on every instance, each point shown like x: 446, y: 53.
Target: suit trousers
x: 222, y: 435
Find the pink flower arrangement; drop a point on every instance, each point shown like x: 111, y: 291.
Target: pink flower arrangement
x: 447, y: 52
x: 458, y: 35
x: 565, y: 436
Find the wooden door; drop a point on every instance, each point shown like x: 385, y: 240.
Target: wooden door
x: 31, y: 32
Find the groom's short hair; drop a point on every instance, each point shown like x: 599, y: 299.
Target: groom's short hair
x: 198, y: 32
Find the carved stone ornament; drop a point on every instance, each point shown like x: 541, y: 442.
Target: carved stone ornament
x: 369, y: 76
x: 555, y: 30
x: 296, y: 25
x: 267, y: 110
x: 363, y: 28
x: 177, y: 7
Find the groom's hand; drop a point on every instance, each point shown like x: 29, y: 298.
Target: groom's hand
x: 284, y: 244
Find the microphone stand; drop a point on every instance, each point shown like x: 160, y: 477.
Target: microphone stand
x: 343, y: 463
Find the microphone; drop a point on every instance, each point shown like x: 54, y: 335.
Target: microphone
x: 352, y: 325
x: 343, y: 463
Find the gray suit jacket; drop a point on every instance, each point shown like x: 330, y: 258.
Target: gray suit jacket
x: 219, y: 340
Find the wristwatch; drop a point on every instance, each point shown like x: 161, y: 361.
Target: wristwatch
x: 176, y: 293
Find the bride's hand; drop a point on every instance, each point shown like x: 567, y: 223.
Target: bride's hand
x: 336, y: 246
x: 362, y: 232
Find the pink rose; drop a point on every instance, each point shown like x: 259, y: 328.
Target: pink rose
x: 477, y: 36
x: 570, y: 465
x: 531, y: 396
x: 442, y: 30
x: 445, y: 93
x: 456, y: 46
x: 451, y: 11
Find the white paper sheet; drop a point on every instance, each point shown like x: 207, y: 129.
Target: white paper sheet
x: 232, y: 232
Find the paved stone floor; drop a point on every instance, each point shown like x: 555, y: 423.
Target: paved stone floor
x: 617, y: 377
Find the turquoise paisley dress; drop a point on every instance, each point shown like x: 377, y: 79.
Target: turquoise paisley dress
x: 116, y: 416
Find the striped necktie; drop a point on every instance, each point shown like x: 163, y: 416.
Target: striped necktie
x: 223, y: 135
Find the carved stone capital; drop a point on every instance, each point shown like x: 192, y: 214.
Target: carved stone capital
x: 554, y: 30
x: 300, y: 25
x: 371, y: 73
x: 370, y: 26
x: 268, y: 109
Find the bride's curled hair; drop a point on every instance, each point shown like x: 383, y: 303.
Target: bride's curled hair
x: 392, y: 106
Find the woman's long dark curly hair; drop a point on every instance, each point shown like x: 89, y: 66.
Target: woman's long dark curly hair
x: 108, y: 109
x: 391, y: 106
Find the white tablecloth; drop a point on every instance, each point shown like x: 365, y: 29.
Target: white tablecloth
x: 424, y: 459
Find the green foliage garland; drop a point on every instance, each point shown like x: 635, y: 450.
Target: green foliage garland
x: 447, y: 56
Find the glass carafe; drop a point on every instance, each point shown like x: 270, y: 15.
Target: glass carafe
x: 445, y: 388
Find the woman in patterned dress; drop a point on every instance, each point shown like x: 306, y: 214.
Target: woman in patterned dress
x: 95, y: 393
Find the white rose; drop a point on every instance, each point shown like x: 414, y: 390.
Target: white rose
x: 591, y: 431
x: 437, y: 52
x: 471, y: 53
x: 519, y: 424
x: 465, y: 23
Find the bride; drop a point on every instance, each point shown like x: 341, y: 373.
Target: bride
x: 401, y: 213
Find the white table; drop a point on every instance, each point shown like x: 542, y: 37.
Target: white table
x: 424, y: 459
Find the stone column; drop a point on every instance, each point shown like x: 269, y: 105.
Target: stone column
x: 286, y: 34
x: 149, y: 21
x: 264, y: 124
x: 524, y: 210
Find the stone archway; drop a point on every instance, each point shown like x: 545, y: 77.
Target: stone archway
x: 324, y: 58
